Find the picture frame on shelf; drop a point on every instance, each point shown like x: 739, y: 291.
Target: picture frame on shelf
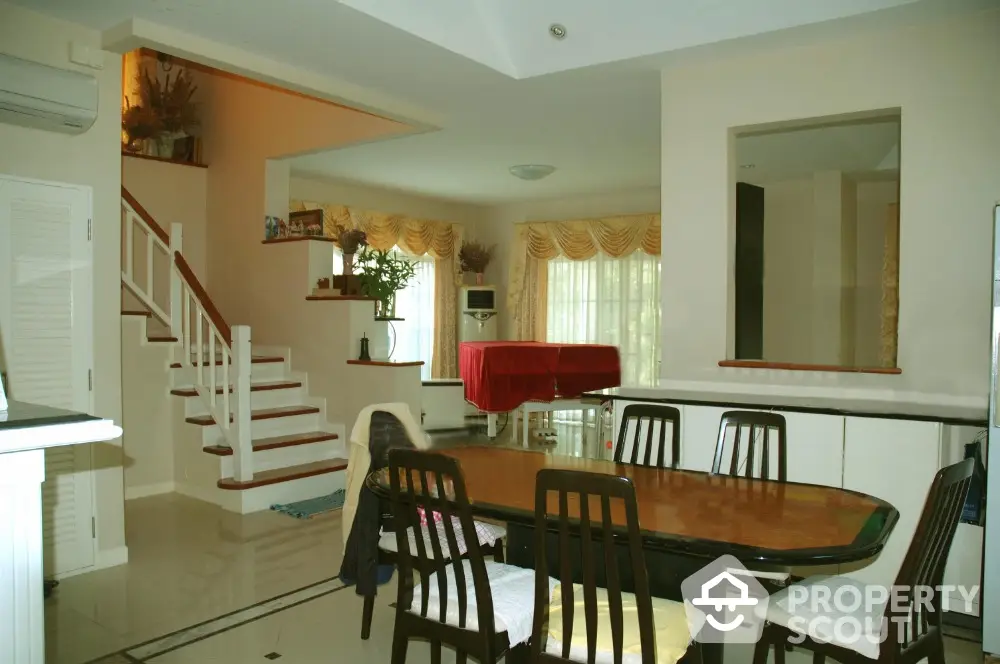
x: 308, y: 223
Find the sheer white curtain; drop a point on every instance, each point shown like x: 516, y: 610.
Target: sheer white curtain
x: 415, y: 304
x: 612, y: 301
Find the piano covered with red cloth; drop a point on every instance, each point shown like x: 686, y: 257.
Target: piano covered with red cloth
x: 499, y: 376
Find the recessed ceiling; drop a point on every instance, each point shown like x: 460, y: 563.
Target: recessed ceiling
x: 502, y: 90
x: 856, y: 149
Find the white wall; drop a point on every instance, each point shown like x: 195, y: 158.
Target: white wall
x: 92, y: 159
x: 497, y: 227
x: 943, y: 77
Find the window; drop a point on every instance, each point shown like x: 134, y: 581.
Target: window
x: 612, y: 301
x: 414, y: 336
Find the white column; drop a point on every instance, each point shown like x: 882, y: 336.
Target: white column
x: 243, y: 450
x: 22, y: 620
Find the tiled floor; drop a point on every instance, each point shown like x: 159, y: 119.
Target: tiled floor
x: 205, y: 586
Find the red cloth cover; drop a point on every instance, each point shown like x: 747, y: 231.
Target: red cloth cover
x: 501, y: 375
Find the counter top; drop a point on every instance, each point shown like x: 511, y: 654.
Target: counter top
x: 852, y: 407
x: 26, y: 426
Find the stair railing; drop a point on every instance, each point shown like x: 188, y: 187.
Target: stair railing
x: 207, y: 341
x: 155, y: 245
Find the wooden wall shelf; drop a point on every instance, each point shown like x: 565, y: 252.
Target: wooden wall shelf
x: 298, y: 238
x: 791, y: 366
x: 166, y: 160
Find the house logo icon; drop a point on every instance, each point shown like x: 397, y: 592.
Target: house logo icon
x: 724, y: 603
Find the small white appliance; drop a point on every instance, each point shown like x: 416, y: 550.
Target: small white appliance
x: 478, y: 313
x: 36, y: 95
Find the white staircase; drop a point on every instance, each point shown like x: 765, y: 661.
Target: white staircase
x: 245, y: 431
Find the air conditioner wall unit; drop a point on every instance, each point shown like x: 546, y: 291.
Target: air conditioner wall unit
x: 44, y: 97
x: 477, y: 308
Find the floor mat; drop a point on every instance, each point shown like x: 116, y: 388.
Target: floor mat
x: 306, y: 509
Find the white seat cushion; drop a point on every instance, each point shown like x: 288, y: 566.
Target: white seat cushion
x: 831, y: 609
x: 487, y: 533
x: 670, y: 624
x: 513, y: 591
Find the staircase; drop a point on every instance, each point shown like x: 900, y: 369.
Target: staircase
x: 246, y: 432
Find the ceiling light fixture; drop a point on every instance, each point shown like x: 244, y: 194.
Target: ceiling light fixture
x: 557, y: 31
x: 532, y: 171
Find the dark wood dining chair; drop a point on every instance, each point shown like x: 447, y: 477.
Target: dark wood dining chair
x: 655, y: 453
x: 751, y: 458
x: 385, y: 434
x: 911, y: 623
x: 428, y: 483
x: 595, y: 499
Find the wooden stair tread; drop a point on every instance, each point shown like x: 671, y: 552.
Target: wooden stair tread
x: 137, y: 312
x: 260, y: 414
x: 284, y: 474
x: 161, y: 339
x: 254, y: 359
x: 275, y: 442
x: 254, y: 387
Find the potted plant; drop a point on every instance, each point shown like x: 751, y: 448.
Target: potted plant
x: 475, y: 257
x: 350, y: 240
x: 383, y: 274
x: 139, y: 123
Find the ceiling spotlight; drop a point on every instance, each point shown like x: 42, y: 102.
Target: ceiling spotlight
x: 532, y: 171
x: 558, y: 31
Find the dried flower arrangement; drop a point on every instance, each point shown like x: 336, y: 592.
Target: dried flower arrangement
x: 139, y: 123
x: 170, y: 100
x: 474, y: 257
x: 351, y: 239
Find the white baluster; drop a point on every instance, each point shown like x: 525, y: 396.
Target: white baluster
x: 227, y: 359
x: 129, y: 223
x: 243, y: 449
x: 176, y: 242
x: 149, y: 264
x: 200, y: 346
x: 186, y: 329
x: 211, y: 370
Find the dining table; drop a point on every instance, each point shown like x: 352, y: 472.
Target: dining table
x: 686, y: 518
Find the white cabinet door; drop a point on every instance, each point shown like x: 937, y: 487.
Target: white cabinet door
x: 815, y: 443
x: 894, y: 460
x: 46, y: 342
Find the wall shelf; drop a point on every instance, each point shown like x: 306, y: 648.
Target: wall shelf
x: 388, y: 318
x: 165, y: 160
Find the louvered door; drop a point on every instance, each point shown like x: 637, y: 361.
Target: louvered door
x: 46, y: 323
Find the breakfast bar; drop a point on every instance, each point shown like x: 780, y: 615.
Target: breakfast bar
x: 889, y: 449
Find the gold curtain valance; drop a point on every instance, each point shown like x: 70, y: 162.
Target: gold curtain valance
x: 414, y: 236
x: 580, y: 240
x: 538, y: 241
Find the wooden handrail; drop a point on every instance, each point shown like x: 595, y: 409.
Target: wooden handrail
x: 206, y: 302
x: 148, y: 218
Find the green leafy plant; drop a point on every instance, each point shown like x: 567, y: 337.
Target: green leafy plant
x: 383, y: 273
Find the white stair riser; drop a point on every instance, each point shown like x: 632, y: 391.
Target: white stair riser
x: 283, y: 457
x: 260, y: 372
x: 194, y: 406
x: 277, y: 426
x: 261, y: 498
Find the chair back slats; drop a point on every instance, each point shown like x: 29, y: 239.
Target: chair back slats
x: 592, y: 527
x: 433, y: 484
x: 654, y: 418
x: 918, y: 611
x: 753, y: 461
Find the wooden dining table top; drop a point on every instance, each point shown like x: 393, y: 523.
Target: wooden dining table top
x: 693, y: 512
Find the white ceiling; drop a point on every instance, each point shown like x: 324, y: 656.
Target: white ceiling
x: 489, y: 80
x: 860, y: 150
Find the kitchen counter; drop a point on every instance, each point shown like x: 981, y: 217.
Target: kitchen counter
x: 852, y: 407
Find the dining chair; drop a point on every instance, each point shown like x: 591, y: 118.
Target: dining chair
x: 474, y: 605
x: 751, y: 458
x: 656, y: 418
x: 910, y: 620
x: 387, y: 433
x: 619, y: 626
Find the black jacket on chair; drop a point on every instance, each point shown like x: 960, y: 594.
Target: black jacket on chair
x: 360, y: 563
